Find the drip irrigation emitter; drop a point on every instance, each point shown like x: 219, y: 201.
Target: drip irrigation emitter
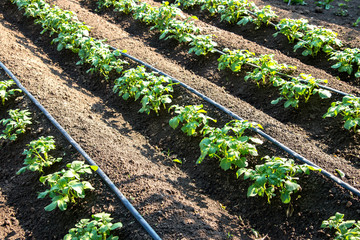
x: 101, y: 174
x: 257, y: 130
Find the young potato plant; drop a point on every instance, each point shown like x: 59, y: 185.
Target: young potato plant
x: 349, y: 108
x: 56, y: 20
x: 190, y: 3
x: 293, y: 29
x: 202, y: 45
x: 37, y: 156
x: 275, y: 174
x: 182, y: 31
x: 294, y: 90
x: 229, y: 145
x: 234, y: 11
x: 347, y: 60
x: 213, y: 6
x: 318, y: 39
x: 145, y: 13
x: 164, y: 15
x: 235, y: 59
x: 16, y: 124
x: 345, y: 230
x: 193, y: 118
x: 101, y: 58
x: 72, y: 40
x: 262, y: 16
x: 153, y: 89
x: 66, y: 185
x: 6, y: 92
x: 97, y: 229
x: 267, y: 70
x: 71, y: 32
x: 124, y: 6
x: 239, y: 11
x: 31, y: 8
x: 164, y: 18
x: 356, y: 23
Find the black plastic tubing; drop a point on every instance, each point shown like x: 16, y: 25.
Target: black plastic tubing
x: 102, y: 175
x: 257, y: 130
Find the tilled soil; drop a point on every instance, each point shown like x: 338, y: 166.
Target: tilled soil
x: 185, y: 201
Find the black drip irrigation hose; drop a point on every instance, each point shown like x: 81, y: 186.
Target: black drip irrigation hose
x: 258, y: 131
x: 102, y: 175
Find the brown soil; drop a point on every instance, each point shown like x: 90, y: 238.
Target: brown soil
x: 185, y: 201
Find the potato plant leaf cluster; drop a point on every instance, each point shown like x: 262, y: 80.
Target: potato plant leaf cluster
x: 150, y: 87
x: 6, y: 91
x: 169, y: 20
x: 344, y: 230
x: 37, y: 155
x: 275, y: 174
x: 240, y: 12
x: 16, y: 124
x: 349, y: 108
x: 66, y: 185
x: 292, y: 91
x: 266, y: 71
x: 97, y: 229
x: 347, y: 61
x: 193, y: 118
x: 229, y: 144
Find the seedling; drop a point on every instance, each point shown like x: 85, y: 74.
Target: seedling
x: 153, y: 89
x: 229, y: 145
x: 294, y: 90
x: 37, y: 156
x: 318, y: 39
x: 97, y: 229
x: 5, y: 92
x: 194, y: 119
x: 293, y: 28
x: 349, y: 108
x: 202, y: 45
x: 275, y: 174
x: 347, y: 60
x: 66, y: 185
x: 345, y: 230
x: 235, y: 59
x: 16, y: 124
x: 125, y: 6
x: 190, y: 3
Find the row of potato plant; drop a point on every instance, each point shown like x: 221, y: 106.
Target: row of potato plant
x: 66, y: 185
x: 228, y: 144
x: 310, y: 37
x: 168, y: 19
x: 276, y: 173
x: 231, y: 146
x: 266, y: 69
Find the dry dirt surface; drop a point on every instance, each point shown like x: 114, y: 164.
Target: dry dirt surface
x: 136, y: 150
